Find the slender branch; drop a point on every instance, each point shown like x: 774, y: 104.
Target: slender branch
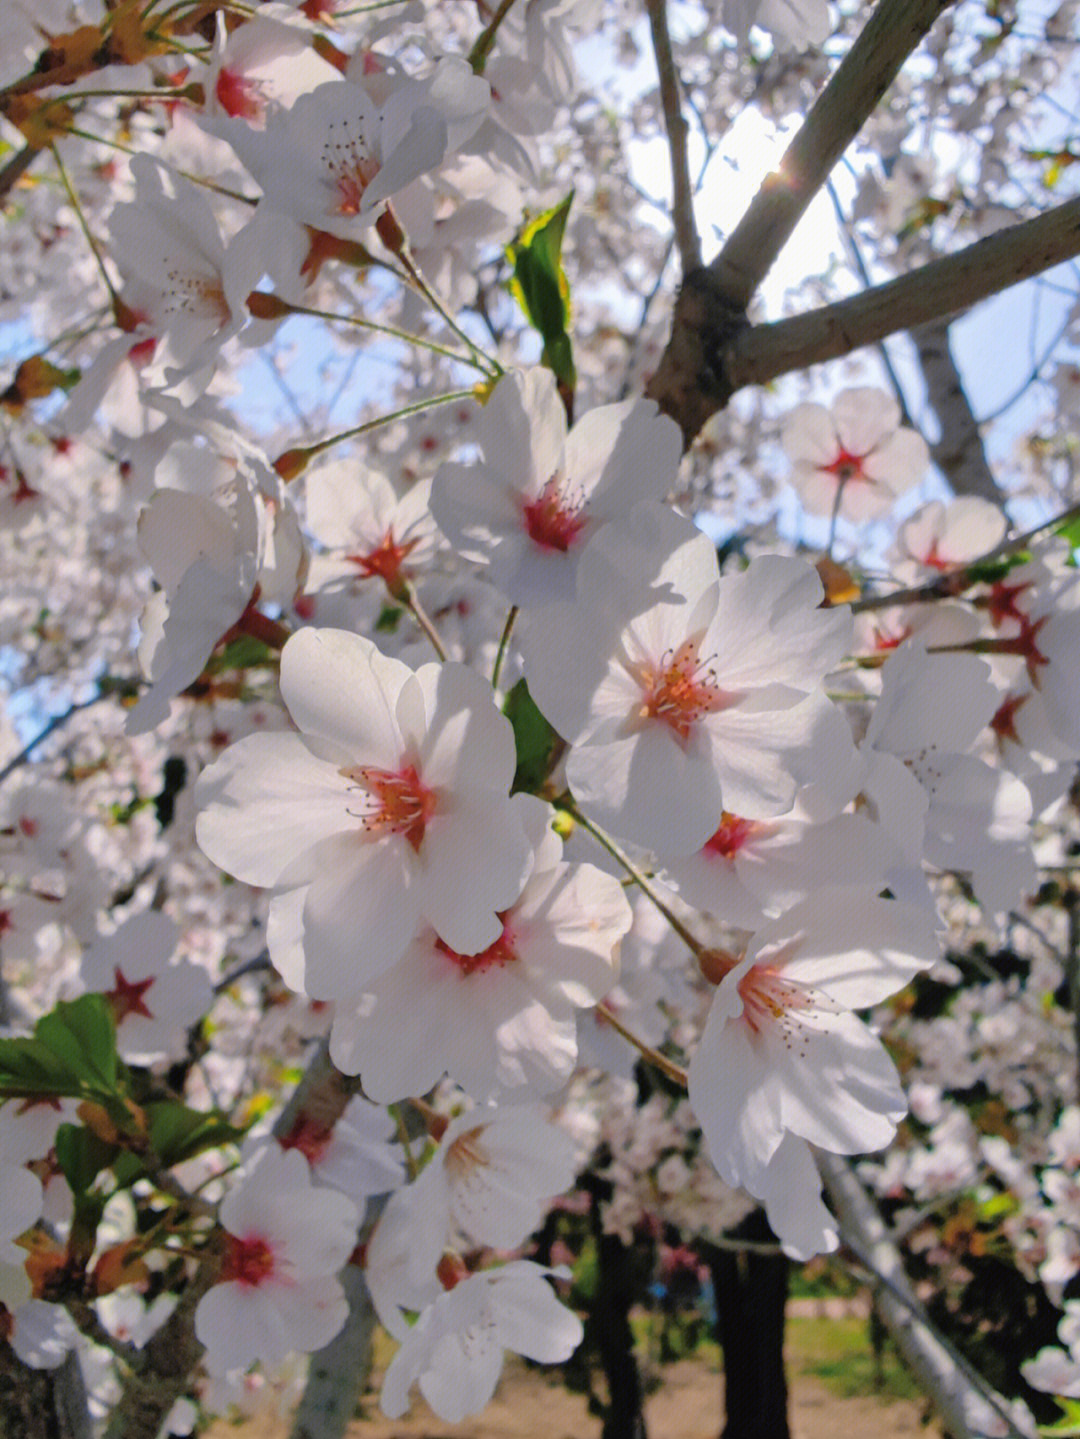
x: 959, y: 453
x: 943, y: 287
x: 482, y: 49
x: 651, y: 1056
x: 504, y: 640
x: 56, y: 723
x: 17, y: 167
x: 955, y: 581
x: 424, y: 620
x: 893, y: 31
x: 969, y: 1407
x: 682, y: 207
x: 605, y: 841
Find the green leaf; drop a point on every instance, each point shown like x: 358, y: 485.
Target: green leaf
x: 72, y: 1052
x: 82, y: 1032
x: 540, y: 287
x: 82, y: 1155
x: 1070, y: 531
x: 389, y: 619
x: 243, y: 653
x: 534, y: 739
x: 178, y: 1133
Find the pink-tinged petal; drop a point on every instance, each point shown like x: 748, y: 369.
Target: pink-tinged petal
x: 469, y: 742
x: 341, y: 691
x: 476, y: 508
x: 618, y: 455
x: 285, y: 936
x: 265, y: 804
x: 753, y: 753
x: 474, y: 862
x: 769, y: 626
x: 522, y: 429
x: 864, y: 416
x: 790, y: 1188
x: 735, y: 1094
x: 899, y: 462
x: 531, y: 1320
x: 239, y: 1323
x: 842, y: 1091
x: 809, y: 435
x: 360, y: 913
x: 394, y: 1036
x: 312, y: 1312
x: 649, y: 789
x: 420, y: 149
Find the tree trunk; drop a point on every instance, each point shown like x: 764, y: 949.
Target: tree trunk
x: 751, y: 1292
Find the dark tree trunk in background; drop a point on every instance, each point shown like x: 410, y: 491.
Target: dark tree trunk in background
x: 751, y: 1291
x: 609, y: 1323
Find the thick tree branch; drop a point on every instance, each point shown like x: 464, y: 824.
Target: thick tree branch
x: 959, y: 453
x: 969, y: 1407
x: 682, y: 203
x: 868, y: 69
x: 944, y: 287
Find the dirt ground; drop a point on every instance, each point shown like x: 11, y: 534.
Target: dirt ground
x: 533, y: 1404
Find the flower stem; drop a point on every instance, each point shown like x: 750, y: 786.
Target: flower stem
x: 423, y: 619
x: 294, y: 462
x: 482, y: 49
x: 504, y: 640
x: 606, y: 842
x: 651, y: 1056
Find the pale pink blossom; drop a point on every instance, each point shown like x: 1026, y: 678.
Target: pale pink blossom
x: 285, y: 1241
x: 388, y: 811
x: 854, y: 458
x: 502, y: 1017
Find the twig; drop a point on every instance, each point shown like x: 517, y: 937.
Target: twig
x: 955, y: 581
x: 969, y: 1407
x: 682, y: 207
x: 651, y: 1056
x: 56, y: 723
x: 482, y: 49
x: 943, y: 287
x: 893, y: 31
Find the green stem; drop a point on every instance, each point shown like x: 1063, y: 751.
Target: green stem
x: 606, y: 842
x: 504, y: 640
x: 293, y: 462
x: 98, y: 257
x: 422, y: 618
x: 405, y: 335
x: 648, y: 1053
x: 482, y: 49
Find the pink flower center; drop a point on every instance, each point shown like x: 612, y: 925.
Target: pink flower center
x: 350, y: 168
x: 731, y: 835
x: 467, y: 1153
x: 496, y: 955
x: 553, y: 520
x: 385, y: 560
x: 847, y: 467
x: 240, y: 95
x: 400, y: 802
x: 126, y: 997
x: 311, y: 1137
x: 249, y: 1260
x: 682, y: 690
x: 770, y: 999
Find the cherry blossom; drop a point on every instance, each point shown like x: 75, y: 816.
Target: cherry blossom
x: 782, y: 1052
x: 854, y: 458
x: 690, y: 692
x: 388, y: 810
x: 285, y: 1241
x: 455, y: 1349
x: 527, y: 511
x: 155, y: 998
x: 502, y: 1017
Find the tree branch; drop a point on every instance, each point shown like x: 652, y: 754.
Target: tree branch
x: 943, y: 287
x: 969, y: 1407
x: 893, y: 31
x: 682, y: 203
x: 959, y: 453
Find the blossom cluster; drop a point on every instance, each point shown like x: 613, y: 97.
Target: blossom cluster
x: 515, y: 780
